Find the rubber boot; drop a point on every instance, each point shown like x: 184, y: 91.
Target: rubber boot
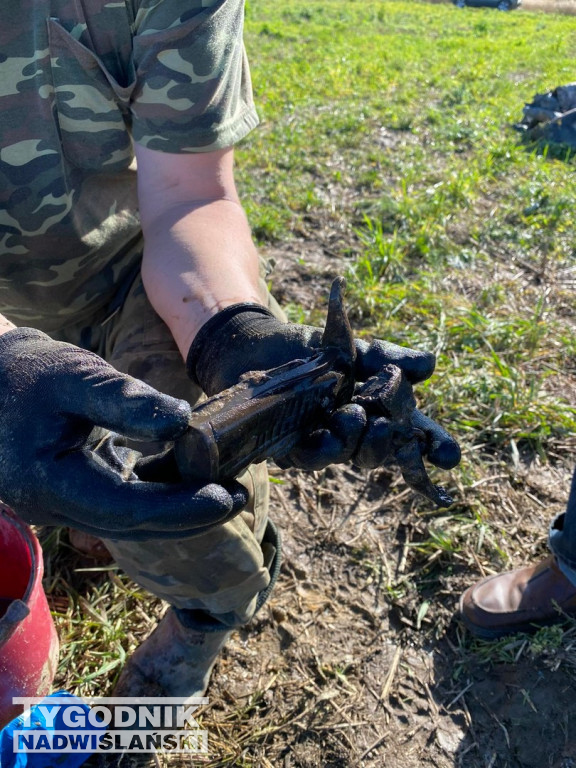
x: 174, y: 660
x: 178, y: 657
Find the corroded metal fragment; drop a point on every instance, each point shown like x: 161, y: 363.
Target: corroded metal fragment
x: 263, y: 416
x: 266, y: 413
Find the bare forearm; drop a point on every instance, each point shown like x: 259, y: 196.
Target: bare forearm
x: 197, y: 260
x: 5, y: 325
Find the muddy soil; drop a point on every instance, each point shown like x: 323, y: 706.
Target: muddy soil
x: 359, y: 659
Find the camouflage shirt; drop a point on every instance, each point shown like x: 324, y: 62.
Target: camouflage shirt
x: 79, y: 81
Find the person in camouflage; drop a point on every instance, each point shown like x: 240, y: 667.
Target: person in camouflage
x: 130, y: 285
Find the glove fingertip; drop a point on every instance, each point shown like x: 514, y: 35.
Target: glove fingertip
x: 445, y: 454
x: 165, y: 419
x: 170, y: 418
x: 317, y: 451
x: 349, y: 421
x: 439, y: 446
x: 419, y: 366
x: 226, y: 498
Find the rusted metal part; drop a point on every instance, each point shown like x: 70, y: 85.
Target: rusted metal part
x: 265, y: 414
x: 389, y: 393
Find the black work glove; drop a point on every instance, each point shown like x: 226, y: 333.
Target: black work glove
x: 247, y: 337
x: 59, y: 467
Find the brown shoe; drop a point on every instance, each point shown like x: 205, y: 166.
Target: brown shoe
x: 518, y: 601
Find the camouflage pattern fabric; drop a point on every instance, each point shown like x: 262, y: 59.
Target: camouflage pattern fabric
x: 225, y: 571
x: 221, y: 573
x: 79, y: 80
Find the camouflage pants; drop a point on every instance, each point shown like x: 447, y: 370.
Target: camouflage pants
x: 225, y: 571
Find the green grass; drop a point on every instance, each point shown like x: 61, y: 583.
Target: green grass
x: 390, y: 124
x: 393, y: 121
x: 332, y: 78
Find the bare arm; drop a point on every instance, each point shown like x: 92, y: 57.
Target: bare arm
x: 5, y: 325
x: 199, y: 256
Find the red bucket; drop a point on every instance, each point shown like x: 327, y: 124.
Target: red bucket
x: 28, y: 639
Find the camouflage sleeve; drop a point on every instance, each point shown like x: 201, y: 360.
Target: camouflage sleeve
x: 193, y: 89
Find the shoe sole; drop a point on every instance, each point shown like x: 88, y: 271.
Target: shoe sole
x: 529, y: 628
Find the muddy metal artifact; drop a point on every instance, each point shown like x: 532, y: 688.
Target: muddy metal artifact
x: 264, y: 415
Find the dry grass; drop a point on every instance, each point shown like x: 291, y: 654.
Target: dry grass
x: 567, y: 7
x: 358, y: 660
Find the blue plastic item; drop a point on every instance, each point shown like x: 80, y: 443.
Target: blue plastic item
x: 37, y: 722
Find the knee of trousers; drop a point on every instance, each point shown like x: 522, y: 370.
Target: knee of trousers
x: 221, y: 572
x: 204, y: 621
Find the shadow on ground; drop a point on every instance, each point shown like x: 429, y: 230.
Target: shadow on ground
x: 512, y: 715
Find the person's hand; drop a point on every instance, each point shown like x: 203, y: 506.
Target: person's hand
x: 247, y: 337
x: 59, y: 466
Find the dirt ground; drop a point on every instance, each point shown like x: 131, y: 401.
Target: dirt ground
x: 358, y: 659
x: 551, y: 6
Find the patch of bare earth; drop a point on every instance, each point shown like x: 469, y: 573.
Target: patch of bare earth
x: 567, y: 7
x: 358, y: 659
